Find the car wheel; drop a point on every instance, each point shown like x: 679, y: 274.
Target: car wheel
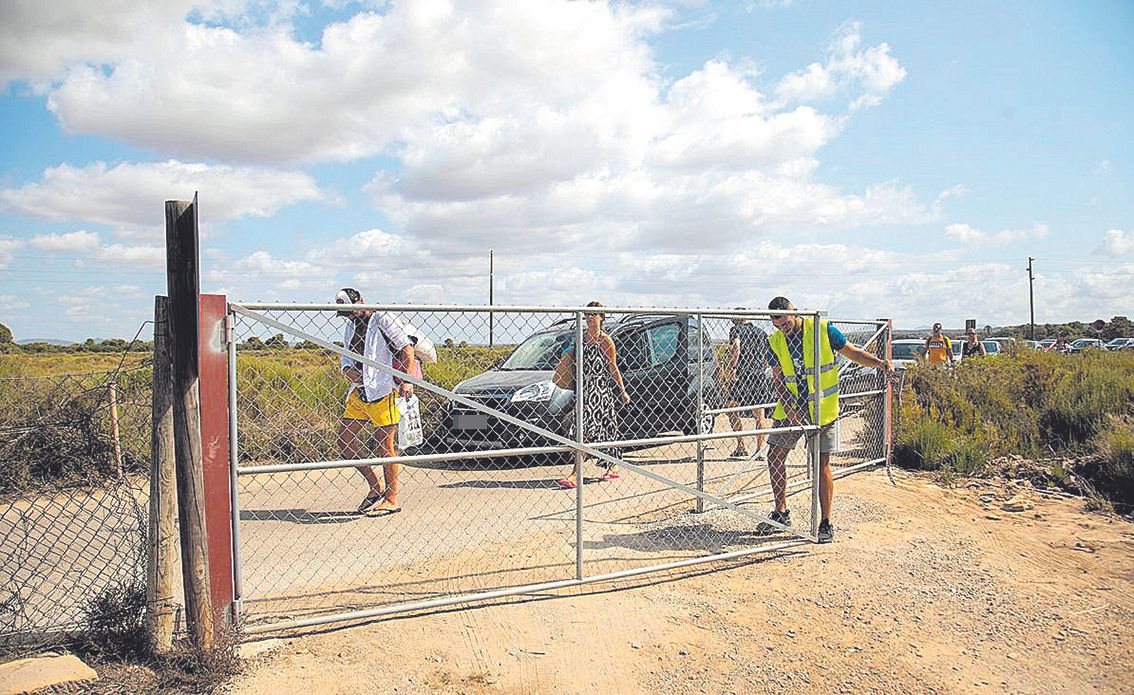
x: 691, y: 426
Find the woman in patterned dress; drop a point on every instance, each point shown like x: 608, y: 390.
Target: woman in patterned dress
x: 600, y: 419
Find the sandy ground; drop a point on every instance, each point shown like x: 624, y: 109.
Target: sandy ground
x: 986, y: 587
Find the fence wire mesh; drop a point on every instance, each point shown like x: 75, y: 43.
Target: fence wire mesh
x: 481, y: 505
x: 75, y: 453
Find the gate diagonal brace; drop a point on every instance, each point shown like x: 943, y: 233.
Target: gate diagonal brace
x: 433, y: 388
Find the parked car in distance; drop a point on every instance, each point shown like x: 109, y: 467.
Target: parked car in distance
x: 1120, y: 344
x: 991, y: 347
x: 905, y: 352
x: 1086, y: 344
x: 1046, y: 345
x: 660, y: 368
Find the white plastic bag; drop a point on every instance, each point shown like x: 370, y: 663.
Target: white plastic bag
x: 410, y: 431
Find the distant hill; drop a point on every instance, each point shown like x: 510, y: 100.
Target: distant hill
x: 48, y: 341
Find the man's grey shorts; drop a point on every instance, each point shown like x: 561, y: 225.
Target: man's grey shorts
x: 828, y: 437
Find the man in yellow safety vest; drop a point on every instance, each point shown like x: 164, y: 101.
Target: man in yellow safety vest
x: 794, y: 365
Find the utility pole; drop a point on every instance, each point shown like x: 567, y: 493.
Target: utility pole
x: 491, y: 316
x: 1031, y: 302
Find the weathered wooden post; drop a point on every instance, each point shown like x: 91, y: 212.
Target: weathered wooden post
x: 183, y: 278
x: 112, y: 396
x: 161, y: 566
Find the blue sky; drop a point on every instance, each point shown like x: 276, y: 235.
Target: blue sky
x: 872, y: 159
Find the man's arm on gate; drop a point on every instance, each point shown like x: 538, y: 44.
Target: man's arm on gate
x: 859, y: 356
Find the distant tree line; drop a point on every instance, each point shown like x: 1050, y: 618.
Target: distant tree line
x: 1117, y: 327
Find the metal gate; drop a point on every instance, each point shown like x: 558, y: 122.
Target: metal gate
x: 482, y: 515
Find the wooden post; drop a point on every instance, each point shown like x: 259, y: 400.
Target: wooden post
x: 112, y: 393
x: 162, y: 552
x: 182, y: 275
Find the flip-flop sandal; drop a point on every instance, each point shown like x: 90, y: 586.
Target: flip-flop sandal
x: 369, y: 501
x: 387, y: 508
x: 610, y: 476
x: 566, y: 484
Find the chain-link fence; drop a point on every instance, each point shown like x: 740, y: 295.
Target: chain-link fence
x: 536, y: 470
x: 74, y: 462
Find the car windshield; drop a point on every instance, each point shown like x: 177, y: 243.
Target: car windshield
x: 991, y: 347
x: 539, y: 352
x: 1117, y: 341
x: 907, y: 351
x: 1082, y: 342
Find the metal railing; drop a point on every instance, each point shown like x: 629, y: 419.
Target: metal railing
x: 482, y: 515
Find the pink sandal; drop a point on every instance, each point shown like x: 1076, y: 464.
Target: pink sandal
x: 610, y: 476
x: 566, y: 484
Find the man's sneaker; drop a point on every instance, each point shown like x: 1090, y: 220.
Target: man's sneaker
x: 826, y: 531
x: 781, y: 518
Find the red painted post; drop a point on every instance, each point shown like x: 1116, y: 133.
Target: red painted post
x: 213, y: 360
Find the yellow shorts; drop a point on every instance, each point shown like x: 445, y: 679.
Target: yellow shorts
x: 381, y: 413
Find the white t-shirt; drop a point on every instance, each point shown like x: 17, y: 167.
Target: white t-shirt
x: 382, y: 326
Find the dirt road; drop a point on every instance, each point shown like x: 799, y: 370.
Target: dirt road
x: 925, y: 590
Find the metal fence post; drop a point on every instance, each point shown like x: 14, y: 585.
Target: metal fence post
x: 888, y: 434
x: 579, y: 438
x: 816, y: 398
x: 233, y: 462
x: 700, y: 502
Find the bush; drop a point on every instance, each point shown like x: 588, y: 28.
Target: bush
x: 1028, y: 403
x: 1114, y: 469
x: 114, y: 633
x: 114, y: 624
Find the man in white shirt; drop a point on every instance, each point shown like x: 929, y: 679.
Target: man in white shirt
x: 372, y: 393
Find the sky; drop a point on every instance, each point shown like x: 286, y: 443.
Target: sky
x: 872, y: 159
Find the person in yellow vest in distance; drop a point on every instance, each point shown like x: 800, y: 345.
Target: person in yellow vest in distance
x: 938, y: 349
x: 794, y: 364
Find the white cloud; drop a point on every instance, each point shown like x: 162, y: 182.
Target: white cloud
x: 79, y: 242
x: 101, y: 308
x: 11, y: 302
x: 870, y: 72
x: 127, y: 196
x: 1115, y: 242
x: 365, y: 82
x: 88, y: 249
x: 39, y: 39
x: 1014, y: 236
x: 560, y: 136
x: 7, y: 246
x: 967, y: 234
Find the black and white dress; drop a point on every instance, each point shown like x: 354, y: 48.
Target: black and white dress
x: 600, y: 417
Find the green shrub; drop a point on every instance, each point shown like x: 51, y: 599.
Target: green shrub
x: 1115, y: 469
x: 1028, y: 403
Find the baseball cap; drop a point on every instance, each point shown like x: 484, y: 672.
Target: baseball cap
x: 347, y: 295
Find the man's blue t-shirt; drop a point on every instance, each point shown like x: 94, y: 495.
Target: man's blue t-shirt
x: 795, y: 350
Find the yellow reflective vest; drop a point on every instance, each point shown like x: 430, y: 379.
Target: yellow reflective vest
x: 828, y: 372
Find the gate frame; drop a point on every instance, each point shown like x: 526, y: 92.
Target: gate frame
x: 249, y: 310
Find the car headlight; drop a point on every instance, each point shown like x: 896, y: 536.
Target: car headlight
x: 534, y: 392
